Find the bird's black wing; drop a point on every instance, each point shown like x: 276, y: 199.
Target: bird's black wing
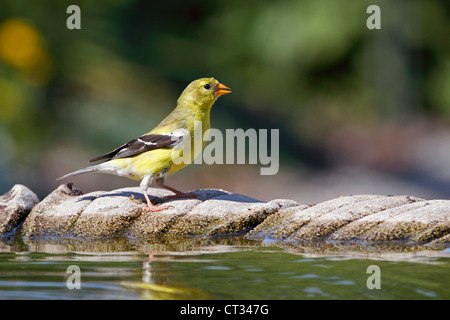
x: 141, y: 144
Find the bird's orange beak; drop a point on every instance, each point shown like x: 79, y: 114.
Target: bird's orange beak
x: 222, y: 89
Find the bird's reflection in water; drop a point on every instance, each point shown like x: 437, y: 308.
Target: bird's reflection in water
x: 156, y: 284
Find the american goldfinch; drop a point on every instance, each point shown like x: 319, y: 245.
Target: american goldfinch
x: 150, y: 155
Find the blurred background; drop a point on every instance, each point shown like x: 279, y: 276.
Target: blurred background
x: 359, y: 110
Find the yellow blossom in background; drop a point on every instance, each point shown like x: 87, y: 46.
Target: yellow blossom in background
x: 21, y: 46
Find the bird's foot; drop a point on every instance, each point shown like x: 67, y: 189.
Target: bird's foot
x: 155, y: 208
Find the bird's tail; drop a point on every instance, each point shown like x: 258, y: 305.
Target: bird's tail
x: 97, y: 168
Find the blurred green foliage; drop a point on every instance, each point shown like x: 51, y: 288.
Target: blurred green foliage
x: 302, y: 66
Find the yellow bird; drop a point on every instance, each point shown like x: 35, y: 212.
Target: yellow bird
x: 150, y: 156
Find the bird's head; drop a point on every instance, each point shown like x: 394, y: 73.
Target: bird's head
x: 203, y: 92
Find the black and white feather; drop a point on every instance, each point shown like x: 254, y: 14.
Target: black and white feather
x: 142, y: 144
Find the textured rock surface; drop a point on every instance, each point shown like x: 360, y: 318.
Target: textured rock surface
x: 362, y: 218
x: 101, y: 214
x: 15, y: 206
x: 66, y: 212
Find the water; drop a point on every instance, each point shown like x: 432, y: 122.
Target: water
x: 216, y: 269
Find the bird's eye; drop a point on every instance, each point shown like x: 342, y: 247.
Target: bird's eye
x: 207, y: 86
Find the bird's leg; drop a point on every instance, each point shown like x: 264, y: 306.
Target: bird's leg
x: 178, y: 194
x: 150, y: 206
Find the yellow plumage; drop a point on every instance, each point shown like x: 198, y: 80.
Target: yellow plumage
x: 151, y: 155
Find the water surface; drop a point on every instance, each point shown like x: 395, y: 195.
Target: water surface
x: 124, y: 268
